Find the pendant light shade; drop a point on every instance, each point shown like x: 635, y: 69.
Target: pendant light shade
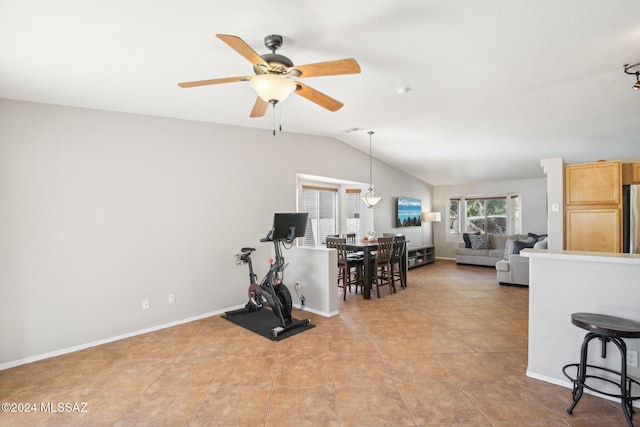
x: 272, y: 88
x: 370, y: 199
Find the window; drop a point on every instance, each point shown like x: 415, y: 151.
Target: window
x: 353, y: 204
x: 322, y: 205
x: 486, y: 215
x: 515, y: 214
x: 454, y: 216
x: 498, y: 215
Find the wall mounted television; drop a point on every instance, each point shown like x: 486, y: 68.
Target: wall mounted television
x: 408, y: 212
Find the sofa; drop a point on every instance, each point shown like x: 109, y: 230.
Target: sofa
x: 484, y: 249
x: 514, y: 270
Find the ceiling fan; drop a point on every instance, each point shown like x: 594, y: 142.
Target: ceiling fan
x: 274, y: 73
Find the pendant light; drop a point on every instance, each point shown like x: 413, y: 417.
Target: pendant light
x: 370, y: 199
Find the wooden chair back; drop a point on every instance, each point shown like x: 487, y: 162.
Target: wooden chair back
x: 385, y: 250
x: 338, y: 243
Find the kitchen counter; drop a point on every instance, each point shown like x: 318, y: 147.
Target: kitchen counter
x: 566, y: 282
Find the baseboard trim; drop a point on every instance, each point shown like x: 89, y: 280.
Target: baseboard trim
x: 314, y: 311
x: 569, y: 385
x: 31, y: 359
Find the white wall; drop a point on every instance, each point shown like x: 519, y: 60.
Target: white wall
x: 564, y: 282
x: 533, y: 193
x: 316, y: 269
x: 100, y: 210
x: 554, y: 169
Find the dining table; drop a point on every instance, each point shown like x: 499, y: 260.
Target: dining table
x: 367, y: 247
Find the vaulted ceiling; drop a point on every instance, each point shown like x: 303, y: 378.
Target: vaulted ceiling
x: 494, y: 85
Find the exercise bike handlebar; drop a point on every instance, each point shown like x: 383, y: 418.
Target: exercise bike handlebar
x: 268, y: 237
x: 291, y: 237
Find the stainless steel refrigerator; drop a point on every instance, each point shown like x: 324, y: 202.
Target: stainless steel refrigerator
x: 631, y: 219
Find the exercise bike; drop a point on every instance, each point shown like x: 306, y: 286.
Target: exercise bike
x: 271, y: 291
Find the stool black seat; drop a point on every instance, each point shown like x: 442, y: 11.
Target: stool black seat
x: 607, y: 329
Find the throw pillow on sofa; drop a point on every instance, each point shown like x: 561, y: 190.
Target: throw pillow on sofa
x: 538, y: 237
x: 467, y: 241
x: 523, y: 244
x: 479, y: 241
x: 542, y: 244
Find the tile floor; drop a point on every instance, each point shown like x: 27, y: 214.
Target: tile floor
x: 449, y: 350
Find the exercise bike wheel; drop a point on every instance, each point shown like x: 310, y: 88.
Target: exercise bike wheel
x: 284, y: 296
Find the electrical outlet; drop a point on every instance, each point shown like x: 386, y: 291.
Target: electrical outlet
x: 632, y: 358
x: 172, y: 298
x: 145, y: 304
x: 300, y: 296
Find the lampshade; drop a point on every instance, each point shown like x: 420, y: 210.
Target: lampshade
x: 370, y: 199
x: 272, y: 87
x: 431, y: 216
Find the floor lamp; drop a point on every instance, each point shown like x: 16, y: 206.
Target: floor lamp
x: 431, y: 217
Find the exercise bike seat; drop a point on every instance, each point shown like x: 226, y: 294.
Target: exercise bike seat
x: 247, y: 249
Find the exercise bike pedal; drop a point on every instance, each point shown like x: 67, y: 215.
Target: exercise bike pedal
x: 293, y: 324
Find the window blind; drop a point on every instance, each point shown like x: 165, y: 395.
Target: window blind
x: 321, y: 203
x: 353, y: 205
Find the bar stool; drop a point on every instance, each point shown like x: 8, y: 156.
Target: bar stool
x: 606, y: 328
x: 347, y: 264
x: 382, y: 265
x: 397, y: 262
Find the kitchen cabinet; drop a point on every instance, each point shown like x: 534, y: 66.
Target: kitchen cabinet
x: 593, y: 207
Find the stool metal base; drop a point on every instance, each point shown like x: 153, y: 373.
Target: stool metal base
x: 580, y: 380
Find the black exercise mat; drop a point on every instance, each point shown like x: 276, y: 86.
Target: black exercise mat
x: 262, y: 322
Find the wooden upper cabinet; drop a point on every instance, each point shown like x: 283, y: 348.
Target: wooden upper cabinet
x: 593, y: 207
x: 597, y: 183
x: 630, y: 173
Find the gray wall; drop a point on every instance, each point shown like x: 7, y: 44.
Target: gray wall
x: 533, y: 193
x: 100, y: 210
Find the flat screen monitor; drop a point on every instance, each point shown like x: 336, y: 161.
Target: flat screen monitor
x: 283, y: 222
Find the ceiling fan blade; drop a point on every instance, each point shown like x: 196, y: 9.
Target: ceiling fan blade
x: 330, y: 68
x: 259, y: 108
x: 215, y: 81
x: 318, y: 97
x: 239, y: 45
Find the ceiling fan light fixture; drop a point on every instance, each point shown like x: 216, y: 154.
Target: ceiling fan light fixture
x: 272, y: 88
x: 637, y: 85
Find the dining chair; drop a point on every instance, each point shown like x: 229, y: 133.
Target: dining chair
x: 351, y: 238
x: 382, y: 265
x: 332, y: 235
x: 350, y: 268
x: 397, y: 258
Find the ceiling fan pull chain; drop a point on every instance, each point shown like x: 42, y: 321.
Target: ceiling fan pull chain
x: 280, y: 118
x: 274, y: 118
